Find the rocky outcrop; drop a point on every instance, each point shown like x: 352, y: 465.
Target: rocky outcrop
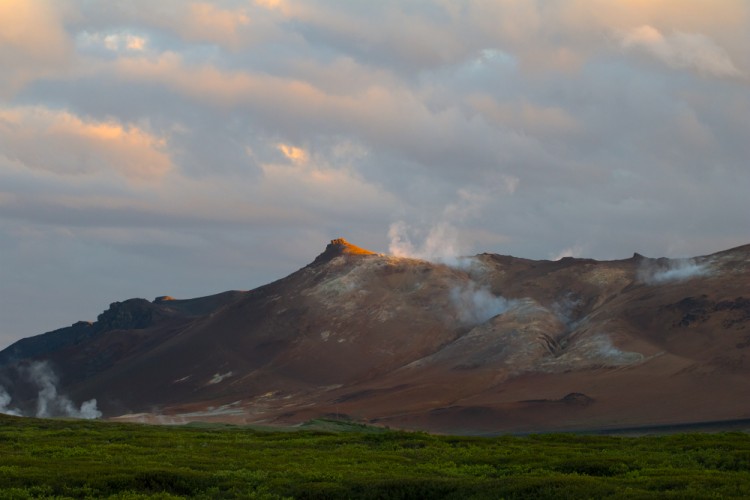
x: 336, y: 248
x: 131, y: 314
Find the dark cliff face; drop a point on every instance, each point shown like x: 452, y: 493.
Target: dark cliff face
x: 86, y: 349
x: 413, y: 343
x: 127, y: 315
x: 133, y: 314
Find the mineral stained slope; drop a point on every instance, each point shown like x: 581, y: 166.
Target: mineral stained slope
x: 492, y: 344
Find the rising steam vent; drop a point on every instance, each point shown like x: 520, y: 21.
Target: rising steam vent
x: 338, y: 247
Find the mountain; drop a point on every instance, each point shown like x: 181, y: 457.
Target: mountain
x: 492, y: 343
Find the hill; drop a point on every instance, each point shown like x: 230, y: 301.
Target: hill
x: 495, y: 343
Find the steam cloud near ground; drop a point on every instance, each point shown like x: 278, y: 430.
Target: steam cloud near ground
x: 49, y: 402
x: 476, y: 304
x: 675, y: 270
x: 5, y: 401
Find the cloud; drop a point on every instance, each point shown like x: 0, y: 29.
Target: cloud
x: 229, y: 25
x: 297, y: 189
x: 678, y: 50
x: 525, y: 116
x: 294, y: 154
x: 316, y: 182
x: 206, y: 21
x: 272, y: 4
x: 227, y: 88
x: 63, y: 143
x: 119, y: 41
x: 385, y: 118
x: 33, y: 42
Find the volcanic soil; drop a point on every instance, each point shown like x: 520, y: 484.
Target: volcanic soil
x: 493, y: 344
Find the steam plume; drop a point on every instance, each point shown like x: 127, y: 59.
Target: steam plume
x: 565, y: 310
x: 573, y: 251
x: 675, y: 270
x: 441, y: 244
x: 5, y: 401
x: 48, y: 403
x: 476, y: 304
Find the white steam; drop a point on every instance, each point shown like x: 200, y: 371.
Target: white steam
x: 5, y: 401
x: 565, y: 308
x: 48, y: 403
x: 444, y: 243
x: 441, y: 244
x: 602, y: 346
x: 475, y: 304
x: 675, y: 270
x: 573, y: 251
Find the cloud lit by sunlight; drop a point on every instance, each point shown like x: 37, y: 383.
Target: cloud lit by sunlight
x: 295, y: 154
x: 682, y: 50
x: 74, y: 145
x: 33, y: 43
x: 207, y: 21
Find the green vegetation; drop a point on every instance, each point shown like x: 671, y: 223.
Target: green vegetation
x: 85, y: 459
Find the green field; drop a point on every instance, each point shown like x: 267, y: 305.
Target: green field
x: 87, y: 459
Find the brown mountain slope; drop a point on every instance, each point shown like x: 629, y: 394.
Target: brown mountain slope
x: 499, y: 344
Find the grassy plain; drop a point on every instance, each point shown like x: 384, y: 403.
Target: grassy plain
x: 88, y: 459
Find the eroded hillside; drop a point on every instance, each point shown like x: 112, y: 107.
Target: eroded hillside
x: 493, y: 343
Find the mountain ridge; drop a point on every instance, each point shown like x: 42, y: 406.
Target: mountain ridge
x: 499, y: 343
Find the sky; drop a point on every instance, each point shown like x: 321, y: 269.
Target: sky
x: 186, y: 148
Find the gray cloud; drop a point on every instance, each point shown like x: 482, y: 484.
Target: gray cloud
x: 183, y: 141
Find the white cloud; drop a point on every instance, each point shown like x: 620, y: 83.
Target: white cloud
x: 116, y: 42
x: 679, y: 50
x: 63, y: 143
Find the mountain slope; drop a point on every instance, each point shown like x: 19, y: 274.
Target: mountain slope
x: 499, y: 343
